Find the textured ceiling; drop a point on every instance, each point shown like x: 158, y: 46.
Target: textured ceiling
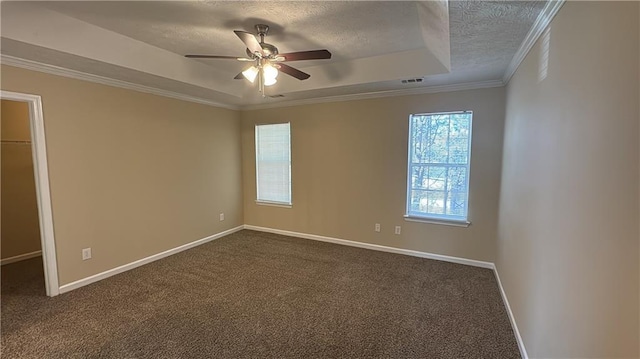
x: 354, y: 29
x: 486, y: 34
x: 475, y: 41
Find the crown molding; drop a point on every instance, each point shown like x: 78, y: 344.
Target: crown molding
x: 544, y: 19
x: 379, y: 94
x: 61, y: 71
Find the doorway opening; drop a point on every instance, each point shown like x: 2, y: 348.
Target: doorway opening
x: 27, y: 223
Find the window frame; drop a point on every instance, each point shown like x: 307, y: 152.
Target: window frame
x: 256, y: 142
x: 433, y: 217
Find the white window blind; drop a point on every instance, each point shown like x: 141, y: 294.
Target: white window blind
x: 273, y: 163
x: 438, y: 170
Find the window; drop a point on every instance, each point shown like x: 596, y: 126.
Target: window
x: 273, y: 164
x: 438, y: 170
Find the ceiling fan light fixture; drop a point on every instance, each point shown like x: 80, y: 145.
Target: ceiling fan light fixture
x: 270, y: 72
x: 267, y: 61
x: 251, y: 73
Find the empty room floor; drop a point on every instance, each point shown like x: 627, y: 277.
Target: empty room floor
x: 254, y: 294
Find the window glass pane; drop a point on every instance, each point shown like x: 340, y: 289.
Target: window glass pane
x: 419, y: 139
x: 458, y: 148
x: 457, y: 179
x: 437, y: 145
x: 273, y: 164
x: 437, y: 178
x: 459, y: 126
x: 428, y: 177
x: 427, y: 202
x: 419, y: 174
x: 457, y: 204
x: 439, y: 165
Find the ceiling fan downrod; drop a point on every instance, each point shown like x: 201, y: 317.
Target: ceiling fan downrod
x: 262, y: 31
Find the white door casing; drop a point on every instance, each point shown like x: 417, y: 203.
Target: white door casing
x: 43, y: 194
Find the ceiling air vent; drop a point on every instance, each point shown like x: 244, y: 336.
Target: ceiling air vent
x: 276, y: 96
x: 413, y: 81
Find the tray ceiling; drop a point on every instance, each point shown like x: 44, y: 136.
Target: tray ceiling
x: 374, y: 44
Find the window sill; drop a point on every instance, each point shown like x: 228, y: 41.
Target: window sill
x: 446, y: 222
x: 273, y: 204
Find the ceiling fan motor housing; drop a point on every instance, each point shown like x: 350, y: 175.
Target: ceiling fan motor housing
x: 269, y: 50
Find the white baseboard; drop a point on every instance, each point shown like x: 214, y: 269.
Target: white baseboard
x: 20, y: 257
x: 512, y: 319
x: 123, y: 268
x: 375, y: 247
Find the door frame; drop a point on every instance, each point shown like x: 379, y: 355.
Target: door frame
x: 43, y: 193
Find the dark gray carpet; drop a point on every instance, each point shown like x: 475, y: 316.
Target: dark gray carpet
x: 258, y: 295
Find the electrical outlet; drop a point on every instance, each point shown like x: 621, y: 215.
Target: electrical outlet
x: 398, y: 229
x: 222, y: 216
x: 86, y: 254
x: 377, y: 228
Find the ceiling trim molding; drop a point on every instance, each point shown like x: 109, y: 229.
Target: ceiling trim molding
x: 78, y: 75
x: 544, y: 19
x: 379, y: 94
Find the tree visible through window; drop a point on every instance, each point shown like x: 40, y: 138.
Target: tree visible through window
x: 438, y: 171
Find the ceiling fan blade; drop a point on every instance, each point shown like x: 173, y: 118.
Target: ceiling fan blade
x: 294, y: 72
x: 307, y: 55
x: 214, y: 57
x: 239, y: 76
x: 245, y: 59
x: 250, y: 40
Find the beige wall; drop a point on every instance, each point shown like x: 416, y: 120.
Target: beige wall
x: 349, y: 164
x: 568, y: 232
x: 132, y: 174
x: 20, y: 231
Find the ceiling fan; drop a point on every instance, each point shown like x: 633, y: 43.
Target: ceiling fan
x: 267, y: 60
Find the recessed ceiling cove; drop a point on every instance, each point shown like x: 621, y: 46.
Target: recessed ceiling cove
x: 374, y: 45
